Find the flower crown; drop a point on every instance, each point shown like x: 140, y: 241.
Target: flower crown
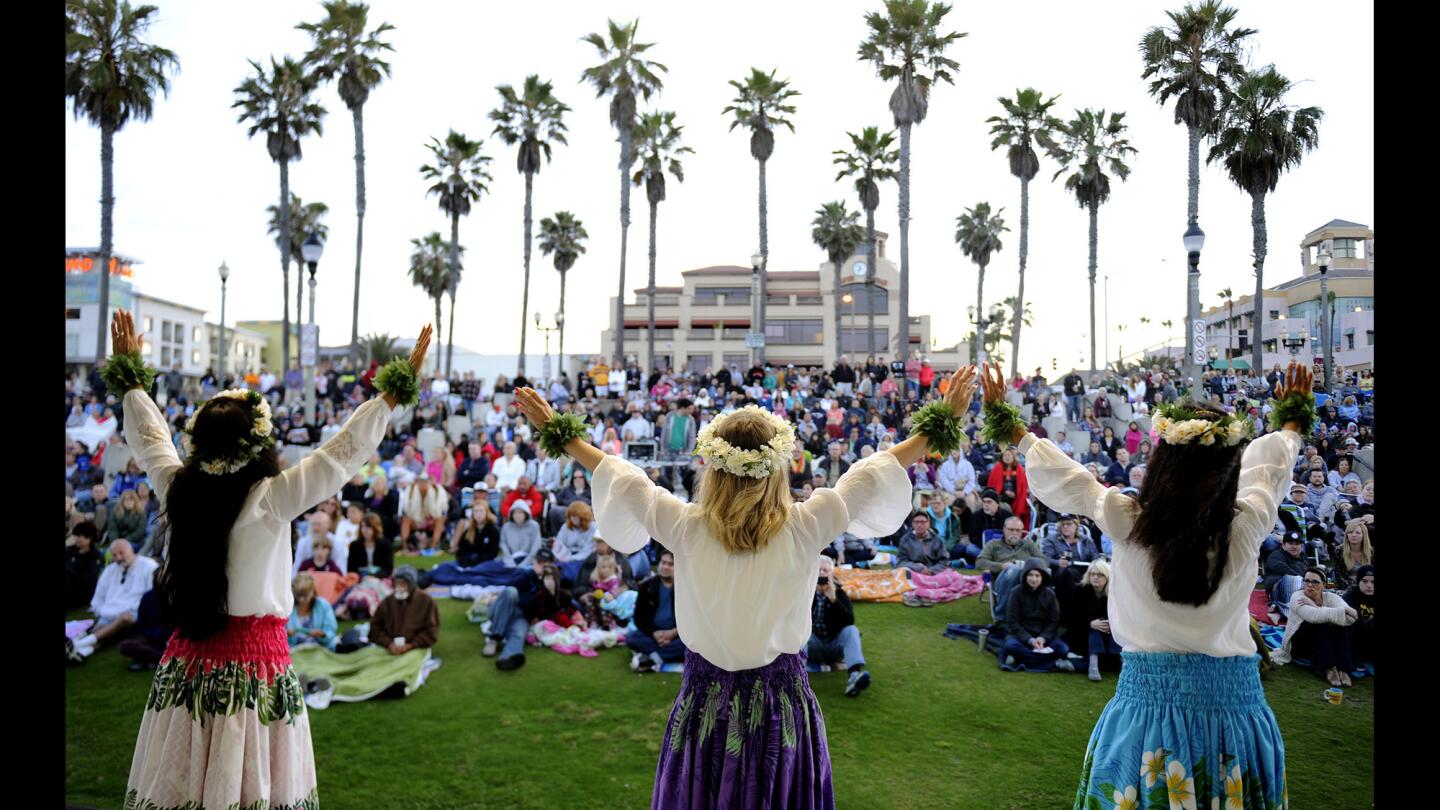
x: 261, y: 433
x: 1178, y: 424
x: 759, y: 463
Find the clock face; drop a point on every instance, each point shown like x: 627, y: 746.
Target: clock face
x: 859, y: 268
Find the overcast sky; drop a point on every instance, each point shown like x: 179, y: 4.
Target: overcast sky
x: 192, y: 190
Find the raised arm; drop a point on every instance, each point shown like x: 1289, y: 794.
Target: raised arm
x: 1266, y: 466
x: 145, y: 429
x: 957, y: 396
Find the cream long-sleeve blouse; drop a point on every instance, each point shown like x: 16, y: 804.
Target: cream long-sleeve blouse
x: 741, y: 611
x: 1140, y: 621
x: 259, y: 558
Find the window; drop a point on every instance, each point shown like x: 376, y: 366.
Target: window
x: 741, y: 360
x: 195, y: 357
x: 664, y: 334
x: 667, y: 300
x: 804, y: 300
x: 1274, y: 314
x: 778, y: 299
x: 72, y: 314
x: 149, y: 324
x: 179, y: 334
x: 147, y: 347
x: 195, y: 335
x: 1370, y: 337
x: 702, y: 333
x: 697, y: 363
x: 164, y: 330
x: 852, y: 341
x: 1270, y: 346
x: 794, y: 332
x: 734, y: 332
x: 164, y: 356
x: 879, y: 300
x: 709, y: 296
x: 1346, y: 249
x: 72, y: 344
x: 1349, y: 341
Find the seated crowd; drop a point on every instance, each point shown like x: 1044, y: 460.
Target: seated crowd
x: 482, y: 489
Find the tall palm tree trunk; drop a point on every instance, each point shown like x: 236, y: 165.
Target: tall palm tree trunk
x: 285, y: 263
x: 107, y: 211
x: 1257, y: 222
x: 981, y: 326
x: 359, y: 232
x: 561, y: 370
x: 650, y: 300
x: 1193, y: 200
x: 1094, y: 233
x: 1192, y: 292
x: 1020, y: 295
x: 764, y: 265
x: 870, y: 281
x: 619, y: 358
x: 903, y: 337
x: 455, y: 282
x: 438, y: 321
x: 525, y: 293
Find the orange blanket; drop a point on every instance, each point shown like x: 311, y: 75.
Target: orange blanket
x: 874, y: 586
x: 329, y: 585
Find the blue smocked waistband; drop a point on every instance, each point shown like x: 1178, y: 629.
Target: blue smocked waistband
x: 1191, y: 681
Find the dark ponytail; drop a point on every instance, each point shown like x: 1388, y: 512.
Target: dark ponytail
x: 200, y: 510
x: 1186, y: 507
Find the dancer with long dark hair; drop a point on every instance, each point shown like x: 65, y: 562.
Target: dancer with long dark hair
x: 225, y: 724
x: 746, y: 730
x: 1189, y: 725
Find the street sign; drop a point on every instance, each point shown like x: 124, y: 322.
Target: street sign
x: 309, y: 344
x: 755, y: 340
x: 1198, y: 354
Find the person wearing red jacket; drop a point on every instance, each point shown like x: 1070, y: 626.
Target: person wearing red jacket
x: 523, y: 491
x: 1007, y: 477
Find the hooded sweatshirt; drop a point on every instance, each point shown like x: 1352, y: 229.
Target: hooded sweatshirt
x: 417, y: 618
x: 519, y: 538
x: 1033, y: 613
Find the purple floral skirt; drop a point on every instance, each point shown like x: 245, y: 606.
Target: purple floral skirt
x: 748, y: 739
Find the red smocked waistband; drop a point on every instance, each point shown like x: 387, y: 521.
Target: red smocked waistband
x: 245, y: 639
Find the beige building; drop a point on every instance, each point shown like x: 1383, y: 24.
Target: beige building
x: 272, y: 332
x: 703, y: 322
x: 1293, y: 306
x: 244, y: 349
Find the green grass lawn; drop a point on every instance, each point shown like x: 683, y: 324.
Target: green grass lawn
x: 941, y: 726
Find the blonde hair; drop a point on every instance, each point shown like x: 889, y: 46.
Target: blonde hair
x: 744, y: 513
x: 322, y: 541
x: 1367, y: 556
x: 302, y: 585
x: 1098, y: 567
x: 604, y: 564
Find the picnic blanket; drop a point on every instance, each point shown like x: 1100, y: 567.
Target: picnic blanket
x: 365, y: 673
x: 490, y: 572
x: 330, y: 585
x: 1274, y: 636
x: 572, y: 640
x: 946, y: 586
x: 994, y: 643
x: 1260, y: 609
x: 78, y: 628
x: 874, y: 586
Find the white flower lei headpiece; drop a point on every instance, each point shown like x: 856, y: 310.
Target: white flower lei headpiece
x: 759, y: 463
x: 261, y: 433
x: 1228, y: 430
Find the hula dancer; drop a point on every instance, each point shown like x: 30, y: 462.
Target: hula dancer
x: 1189, y: 725
x: 745, y: 730
x: 225, y: 724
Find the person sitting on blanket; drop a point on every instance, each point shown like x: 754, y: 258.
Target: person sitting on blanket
x: 83, y: 564
x: 833, y: 634
x: 603, y: 549
x: 604, y: 583
x: 1005, y: 560
x: 407, y: 619
x: 576, y: 539
x: 991, y: 517
x: 1361, y: 597
x: 152, y: 633
x: 655, y: 638
x: 1284, y: 569
x: 1091, y: 608
x: 1065, y: 546
x: 1319, y: 629
x: 552, y: 601
x: 851, y: 549
x: 477, y: 536
x: 312, y: 620
x: 116, y: 603
x: 1032, y: 624
x: 371, y: 553
x: 519, y: 537
x: 921, y: 549
x: 318, y: 525
x: 511, y: 614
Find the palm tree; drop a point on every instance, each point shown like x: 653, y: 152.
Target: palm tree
x: 380, y: 348
x: 904, y: 43
x: 621, y: 74
x: 1227, y: 295
x: 278, y: 103
x: 563, y: 237
x: 760, y: 106
x: 460, y: 177
x: 1088, y: 144
x: 657, y: 144
x: 1259, y: 138
x: 838, y: 233
x: 304, y: 218
x: 433, y: 268
x: 977, y: 232
x: 1027, y: 119
x: 111, y: 76
x: 869, y: 161
x: 344, y: 49
x: 533, y: 119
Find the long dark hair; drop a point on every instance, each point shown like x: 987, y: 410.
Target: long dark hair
x: 199, y: 511
x: 1186, y: 507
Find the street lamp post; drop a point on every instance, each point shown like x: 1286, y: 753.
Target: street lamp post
x: 1120, y: 346
x: 547, y: 330
x: 1295, y: 344
x: 981, y: 322
x: 224, y: 276
x: 560, y: 324
x: 757, y: 337
x: 311, y: 251
x: 1194, y: 240
x: 1323, y: 259
x: 849, y: 300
